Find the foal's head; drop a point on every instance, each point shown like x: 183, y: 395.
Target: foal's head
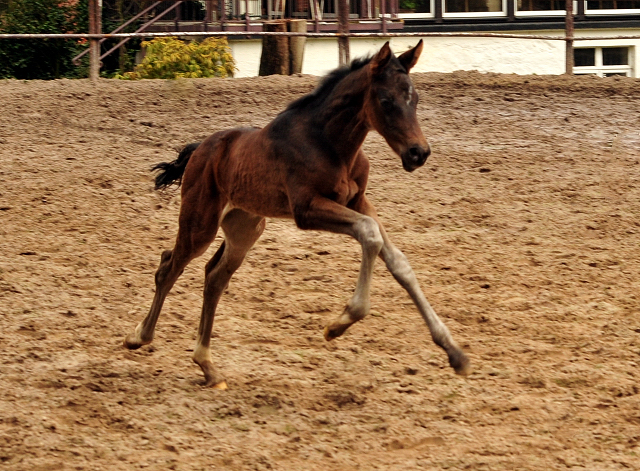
x: 391, y: 105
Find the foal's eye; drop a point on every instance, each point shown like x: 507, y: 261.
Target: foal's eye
x: 386, y: 103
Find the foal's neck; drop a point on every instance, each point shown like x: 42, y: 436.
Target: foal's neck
x: 345, y: 125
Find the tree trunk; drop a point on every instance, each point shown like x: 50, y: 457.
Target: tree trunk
x: 275, y: 50
x: 296, y: 45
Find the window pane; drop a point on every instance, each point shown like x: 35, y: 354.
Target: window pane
x: 466, y: 6
x: 615, y: 56
x: 613, y: 4
x: 540, y: 5
x: 584, y: 57
x: 415, y: 6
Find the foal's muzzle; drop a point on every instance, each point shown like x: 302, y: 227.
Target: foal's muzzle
x: 415, y: 157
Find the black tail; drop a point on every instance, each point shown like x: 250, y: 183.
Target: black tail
x: 171, y: 172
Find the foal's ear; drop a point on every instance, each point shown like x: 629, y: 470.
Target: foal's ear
x: 381, y: 59
x: 410, y: 58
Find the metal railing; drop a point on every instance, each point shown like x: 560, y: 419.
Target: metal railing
x: 76, y: 59
x: 246, y: 34
x: 96, y: 38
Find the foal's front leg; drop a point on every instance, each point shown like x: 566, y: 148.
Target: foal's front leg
x: 399, y: 267
x: 327, y: 215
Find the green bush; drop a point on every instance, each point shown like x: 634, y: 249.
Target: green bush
x: 41, y: 58
x: 171, y: 58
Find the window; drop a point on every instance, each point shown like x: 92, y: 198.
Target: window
x: 585, y: 57
x: 454, y: 8
x: 416, y: 8
x: 541, y: 5
x: 613, y: 4
x: 602, y: 61
x: 615, y: 56
x: 472, y: 6
x: 612, y: 7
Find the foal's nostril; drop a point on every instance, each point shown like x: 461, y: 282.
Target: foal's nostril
x: 419, y: 154
x: 414, y: 157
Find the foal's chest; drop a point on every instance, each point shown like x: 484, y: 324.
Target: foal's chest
x: 345, y: 191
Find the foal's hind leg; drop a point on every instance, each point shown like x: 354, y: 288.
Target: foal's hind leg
x: 399, y: 267
x: 241, y: 231
x: 197, y: 230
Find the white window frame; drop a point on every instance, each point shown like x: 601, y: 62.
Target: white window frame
x: 543, y: 12
x: 599, y: 69
x: 627, y: 11
x: 432, y: 7
x: 475, y: 14
x: 518, y: 13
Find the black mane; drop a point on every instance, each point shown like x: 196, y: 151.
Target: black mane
x: 328, y: 83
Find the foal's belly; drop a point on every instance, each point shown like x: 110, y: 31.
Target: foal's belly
x: 259, y: 193
x: 250, y: 180
x: 274, y: 205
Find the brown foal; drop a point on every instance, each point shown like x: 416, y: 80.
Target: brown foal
x: 306, y: 164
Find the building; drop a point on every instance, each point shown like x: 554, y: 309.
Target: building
x: 593, y: 19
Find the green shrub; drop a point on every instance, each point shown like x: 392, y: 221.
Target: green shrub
x: 40, y: 58
x: 171, y: 58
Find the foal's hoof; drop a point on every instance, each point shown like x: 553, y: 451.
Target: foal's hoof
x: 222, y: 386
x: 328, y: 335
x: 132, y: 342
x: 215, y: 383
x: 460, y: 363
x: 211, y: 378
x: 331, y: 332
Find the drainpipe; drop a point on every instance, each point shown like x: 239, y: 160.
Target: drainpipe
x: 343, y: 28
x: 568, y: 33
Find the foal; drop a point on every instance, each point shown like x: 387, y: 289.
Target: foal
x: 306, y: 164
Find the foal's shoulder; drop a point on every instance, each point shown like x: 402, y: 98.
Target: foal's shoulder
x: 360, y: 169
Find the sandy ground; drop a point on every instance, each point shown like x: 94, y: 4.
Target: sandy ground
x: 522, y: 228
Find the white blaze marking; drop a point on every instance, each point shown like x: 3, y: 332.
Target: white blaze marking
x: 410, y: 95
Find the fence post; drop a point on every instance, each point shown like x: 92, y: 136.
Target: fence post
x: 246, y: 15
x: 568, y: 34
x: 343, y: 27
x: 176, y: 20
x: 316, y: 16
x: 95, y: 27
x: 208, y: 17
x: 296, y: 45
x: 223, y: 14
x: 438, y: 12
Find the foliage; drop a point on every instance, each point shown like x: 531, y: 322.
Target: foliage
x: 417, y: 6
x: 38, y: 58
x: 171, y: 58
x: 114, y: 14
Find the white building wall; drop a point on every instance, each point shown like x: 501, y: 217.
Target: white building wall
x: 500, y: 55
x: 247, y: 56
x: 447, y: 54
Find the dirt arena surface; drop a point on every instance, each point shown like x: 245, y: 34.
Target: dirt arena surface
x: 522, y: 228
